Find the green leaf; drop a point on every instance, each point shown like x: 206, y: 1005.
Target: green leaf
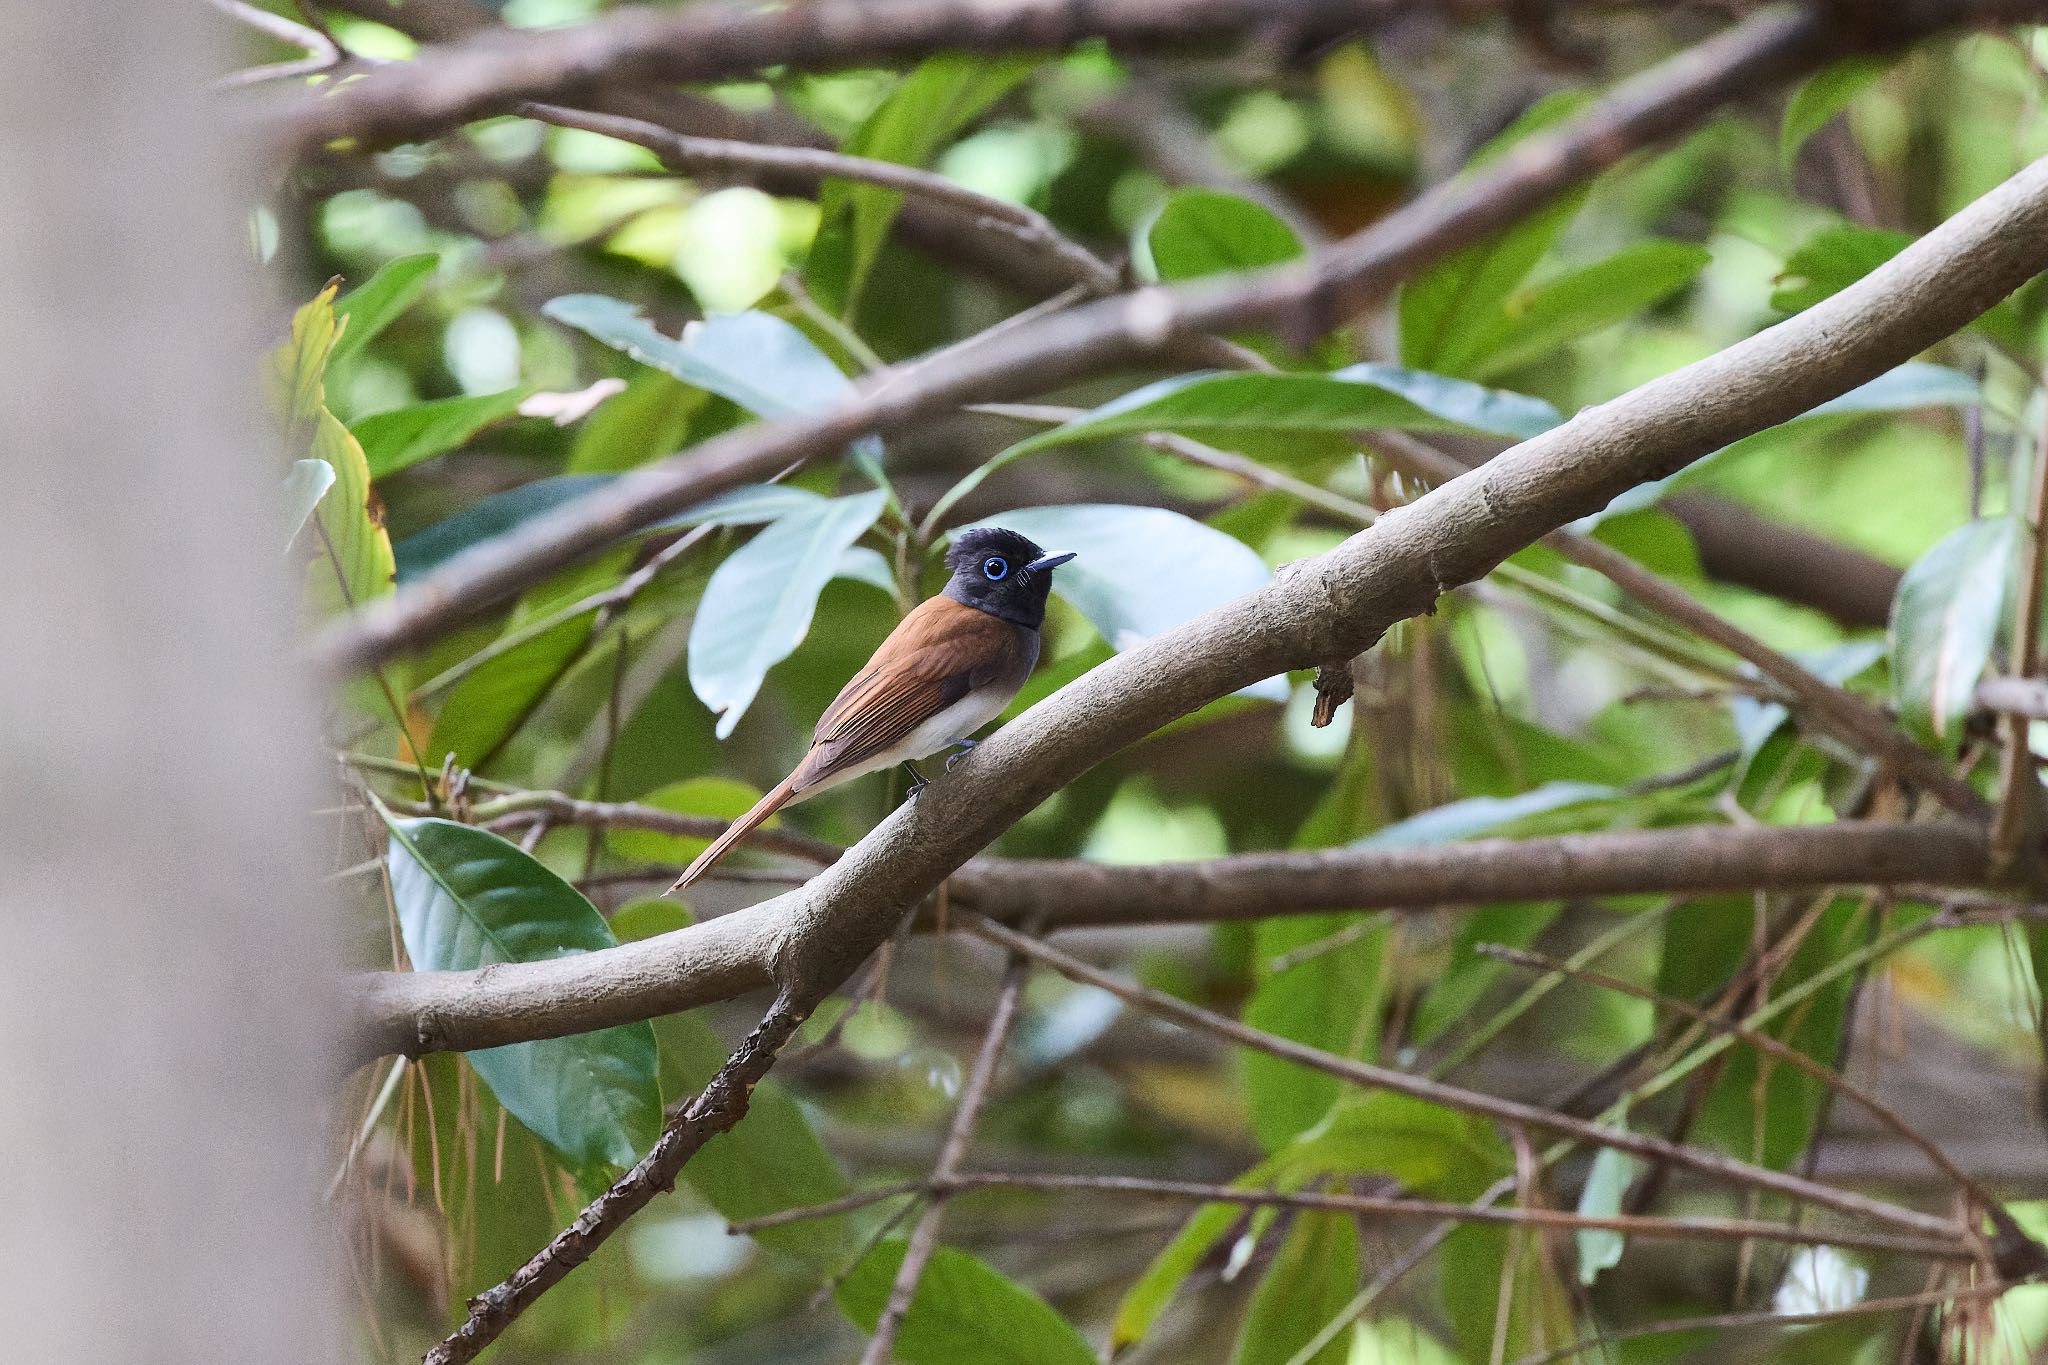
x: 719, y: 798
x: 1448, y: 309
x: 1474, y: 815
x: 770, y: 1161
x: 1144, y: 1301
x: 492, y: 701
x: 379, y: 300
x: 1945, y: 621
x: 1115, y: 580
x: 424, y: 551
x: 651, y: 419
x: 964, y: 1311
x: 925, y: 111
x: 1608, y: 1180
x: 304, y: 486
x: 757, y: 607
x: 1428, y: 1148
x: 1833, y: 259
x: 1330, y: 999
x: 468, y: 899
x: 1200, y: 232
x: 403, y: 437
x: 1547, y: 317
x: 1311, y: 1280
x: 755, y: 359
x: 1823, y: 95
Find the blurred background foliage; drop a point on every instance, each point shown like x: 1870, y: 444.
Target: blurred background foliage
x: 531, y: 310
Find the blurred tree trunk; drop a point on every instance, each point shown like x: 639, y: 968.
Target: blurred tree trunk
x: 161, y: 1045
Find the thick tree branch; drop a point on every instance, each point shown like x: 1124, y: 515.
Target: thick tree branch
x: 1304, y: 299
x: 1335, y: 605
x: 491, y: 71
x: 417, y: 1012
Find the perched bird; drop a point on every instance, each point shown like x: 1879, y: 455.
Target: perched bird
x: 948, y: 669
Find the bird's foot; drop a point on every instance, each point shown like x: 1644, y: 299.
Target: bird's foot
x: 918, y: 781
x: 961, y: 748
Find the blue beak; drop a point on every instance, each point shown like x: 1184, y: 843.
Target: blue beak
x: 1047, y: 562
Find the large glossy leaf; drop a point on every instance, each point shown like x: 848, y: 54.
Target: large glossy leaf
x: 1200, y: 232
x: 964, y: 1310
x: 403, y: 437
x: 1545, y: 318
x: 1946, y: 619
x: 926, y: 110
x: 1309, y: 1282
x: 755, y: 359
x: 1823, y: 95
x: 424, y: 551
x: 1209, y: 406
x: 468, y: 899
x: 1141, y: 571
x: 757, y: 607
x: 379, y: 300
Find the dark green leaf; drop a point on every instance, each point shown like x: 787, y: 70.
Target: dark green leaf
x: 1946, y: 619
x: 965, y: 1311
x: 1832, y: 260
x: 1822, y: 96
x: 1200, y: 232
x: 1310, y: 1281
x: 377, y: 303
x: 403, y: 437
x: 425, y: 551
x: 468, y: 899
x: 757, y: 607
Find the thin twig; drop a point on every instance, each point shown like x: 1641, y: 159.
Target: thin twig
x: 1501, y: 1110
x: 924, y: 1238
x: 322, y: 54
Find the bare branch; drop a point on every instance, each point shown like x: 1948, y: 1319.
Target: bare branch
x: 416, y: 1012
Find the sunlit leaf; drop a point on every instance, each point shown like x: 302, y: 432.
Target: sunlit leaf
x: 964, y: 1310
x: 1946, y: 619
x: 1823, y: 95
x: 757, y: 360
x: 1200, y: 231
x: 1546, y: 317
x: 1612, y: 1173
x: 757, y: 607
x: 927, y: 109
x: 468, y: 899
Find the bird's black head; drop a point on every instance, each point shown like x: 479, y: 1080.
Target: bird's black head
x: 1002, y: 573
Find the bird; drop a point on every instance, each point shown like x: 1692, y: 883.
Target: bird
x: 950, y: 667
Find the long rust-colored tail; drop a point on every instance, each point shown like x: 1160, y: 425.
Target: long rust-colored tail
x: 739, y: 829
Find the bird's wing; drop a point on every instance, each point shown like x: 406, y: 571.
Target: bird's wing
x: 938, y: 654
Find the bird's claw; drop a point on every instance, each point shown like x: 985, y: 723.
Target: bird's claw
x: 961, y: 748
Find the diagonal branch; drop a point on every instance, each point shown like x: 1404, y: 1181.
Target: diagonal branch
x: 1304, y: 299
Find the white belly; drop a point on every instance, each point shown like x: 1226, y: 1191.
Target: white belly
x: 956, y: 722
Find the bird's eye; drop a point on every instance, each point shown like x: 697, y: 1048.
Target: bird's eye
x: 995, y: 568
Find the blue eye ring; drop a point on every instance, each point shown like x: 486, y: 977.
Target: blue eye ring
x: 995, y: 568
